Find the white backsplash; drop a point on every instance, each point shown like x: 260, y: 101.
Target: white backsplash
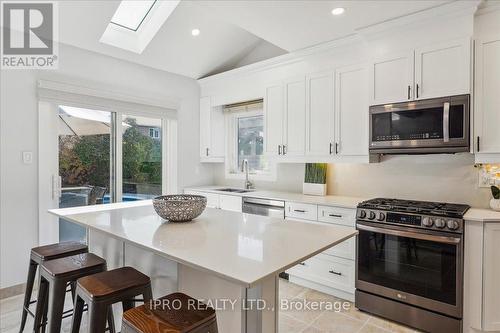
x: 447, y: 178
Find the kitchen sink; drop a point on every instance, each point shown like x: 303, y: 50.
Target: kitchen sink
x: 233, y: 190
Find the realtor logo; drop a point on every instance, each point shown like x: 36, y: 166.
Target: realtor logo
x: 29, y: 31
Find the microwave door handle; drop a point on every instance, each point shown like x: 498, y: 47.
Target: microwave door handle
x: 446, y: 122
x: 409, y: 234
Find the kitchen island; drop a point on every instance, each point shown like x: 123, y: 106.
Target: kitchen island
x: 228, y: 259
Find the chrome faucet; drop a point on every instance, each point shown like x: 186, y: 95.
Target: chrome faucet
x: 244, y: 168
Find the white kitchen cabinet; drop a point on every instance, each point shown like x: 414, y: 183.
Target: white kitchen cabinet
x: 273, y: 119
x: 212, y: 198
x: 487, y: 100
x: 443, y: 69
x: 482, y: 275
x: 351, y: 104
x: 301, y: 211
x: 392, y: 78
x: 295, y: 117
x: 320, y: 117
x: 230, y: 202
x: 212, y: 133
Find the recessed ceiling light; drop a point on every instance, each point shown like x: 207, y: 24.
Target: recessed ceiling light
x: 338, y: 11
x: 195, y: 32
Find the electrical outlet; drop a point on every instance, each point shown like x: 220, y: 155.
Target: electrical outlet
x: 27, y: 157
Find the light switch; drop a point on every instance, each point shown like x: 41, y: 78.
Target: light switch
x: 27, y: 157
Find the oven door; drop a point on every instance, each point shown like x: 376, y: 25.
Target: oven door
x: 434, y: 125
x: 421, y: 268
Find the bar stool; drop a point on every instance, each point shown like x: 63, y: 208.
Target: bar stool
x: 54, y: 276
x: 37, y: 256
x: 174, y: 313
x: 100, y: 291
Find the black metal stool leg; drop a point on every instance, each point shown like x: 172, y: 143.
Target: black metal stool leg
x: 41, y: 305
x: 111, y: 320
x: 98, y: 315
x: 57, y: 293
x: 77, y: 314
x: 27, y: 294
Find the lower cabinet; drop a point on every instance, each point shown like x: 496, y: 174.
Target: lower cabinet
x: 220, y: 201
x: 332, y: 271
x: 482, y: 276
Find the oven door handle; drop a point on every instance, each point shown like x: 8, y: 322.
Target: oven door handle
x: 446, y: 122
x: 433, y: 238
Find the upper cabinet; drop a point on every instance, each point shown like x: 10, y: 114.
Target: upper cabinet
x: 320, y: 129
x: 443, y: 69
x: 273, y: 120
x: 351, y: 106
x: 392, y: 79
x: 295, y: 117
x: 436, y: 70
x: 211, y: 131
x: 487, y: 100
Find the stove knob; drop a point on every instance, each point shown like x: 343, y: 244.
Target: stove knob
x: 440, y: 223
x: 427, y: 222
x: 362, y: 214
x: 371, y: 216
x: 381, y: 216
x: 452, y: 224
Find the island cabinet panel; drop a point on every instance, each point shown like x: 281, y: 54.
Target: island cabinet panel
x: 163, y: 272
x: 487, y: 100
x: 107, y: 247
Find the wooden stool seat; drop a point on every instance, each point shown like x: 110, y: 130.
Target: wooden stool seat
x: 175, y: 313
x: 114, y: 282
x: 39, y: 255
x: 100, y: 291
x: 55, y: 275
x: 59, y: 250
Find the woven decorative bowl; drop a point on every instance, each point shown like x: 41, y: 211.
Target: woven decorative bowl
x: 179, y: 207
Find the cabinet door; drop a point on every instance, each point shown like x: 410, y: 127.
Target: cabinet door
x: 352, y: 111
x: 217, y: 134
x: 487, y: 97
x: 443, y: 69
x: 319, y: 114
x: 205, y: 136
x: 295, y: 117
x: 230, y: 202
x: 491, y: 278
x: 392, y: 79
x: 273, y: 119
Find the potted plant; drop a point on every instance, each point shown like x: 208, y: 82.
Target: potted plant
x: 495, y: 202
x: 315, y: 179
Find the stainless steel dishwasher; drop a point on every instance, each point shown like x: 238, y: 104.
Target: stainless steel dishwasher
x: 264, y: 207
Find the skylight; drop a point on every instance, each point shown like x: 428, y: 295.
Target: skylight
x: 131, y: 13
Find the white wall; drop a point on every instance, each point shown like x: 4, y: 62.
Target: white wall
x: 446, y: 178
x: 19, y: 127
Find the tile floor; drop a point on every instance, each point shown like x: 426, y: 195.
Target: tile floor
x: 348, y: 320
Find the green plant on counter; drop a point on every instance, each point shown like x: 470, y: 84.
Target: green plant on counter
x: 496, y: 192
x: 315, y: 173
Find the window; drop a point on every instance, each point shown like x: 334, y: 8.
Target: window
x: 245, y: 133
x: 131, y: 14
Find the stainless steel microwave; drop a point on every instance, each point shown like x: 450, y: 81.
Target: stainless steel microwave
x: 439, y: 125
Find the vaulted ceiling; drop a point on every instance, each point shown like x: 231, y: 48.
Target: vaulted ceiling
x: 233, y: 33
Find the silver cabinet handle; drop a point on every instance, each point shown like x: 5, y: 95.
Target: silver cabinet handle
x: 284, y: 149
x: 418, y: 87
x: 409, y: 92
x: 299, y: 210
x: 335, y: 215
x: 446, y: 122
x: 333, y: 272
x: 279, y: 149
x: 478, y: 143
x: 302, y: 263
x: 331, y: 148
x: 207, y: 151
x: 336, y: 147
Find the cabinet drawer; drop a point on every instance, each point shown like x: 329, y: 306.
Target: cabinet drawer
x: 301, y: 211
x: 346, y: 249
x: 337, y: 215
x: 329, y: 271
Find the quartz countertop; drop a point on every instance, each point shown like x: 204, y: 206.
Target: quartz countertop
x: 482, y: 215
x: 327, y: 200
x: 242, y: 248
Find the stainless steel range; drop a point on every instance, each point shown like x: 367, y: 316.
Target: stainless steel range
x: 410, y: 262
